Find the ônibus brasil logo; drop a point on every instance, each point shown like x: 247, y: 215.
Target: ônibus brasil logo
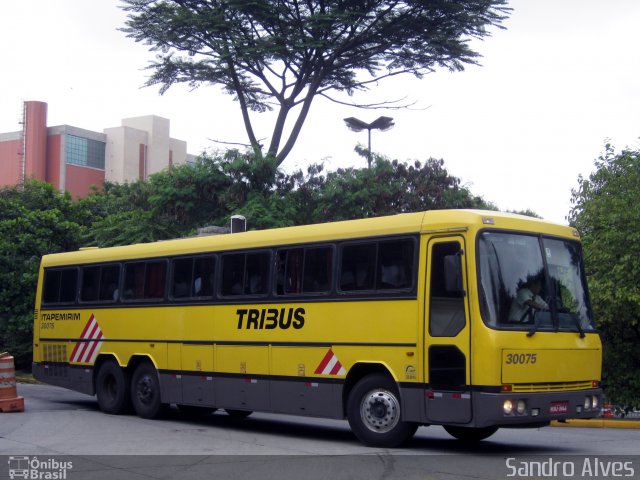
x: 38, y: 469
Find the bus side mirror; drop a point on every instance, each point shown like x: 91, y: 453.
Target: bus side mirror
x: 453, y: 275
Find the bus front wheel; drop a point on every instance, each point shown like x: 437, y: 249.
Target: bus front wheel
x: 145, y: 392
x: 469, y: 434
x: 112, y: 388
x: 374, y: 413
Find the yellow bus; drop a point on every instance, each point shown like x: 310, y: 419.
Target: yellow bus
x: 473, y: 320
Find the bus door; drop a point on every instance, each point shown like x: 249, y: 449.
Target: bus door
x: 447, y: 343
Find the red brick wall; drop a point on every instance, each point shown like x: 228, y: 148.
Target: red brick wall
x: 53, y: 160
x: 79, y: 180
x: 36, y: 140
x: 10, y: 162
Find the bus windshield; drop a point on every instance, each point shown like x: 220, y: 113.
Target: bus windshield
x: 532, y: 282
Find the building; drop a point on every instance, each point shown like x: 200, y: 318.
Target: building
x: 75, y: 159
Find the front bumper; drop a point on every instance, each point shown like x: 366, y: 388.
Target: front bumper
x: 540, y: 408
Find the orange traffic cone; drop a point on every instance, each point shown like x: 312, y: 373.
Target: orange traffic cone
x: 9, y: 399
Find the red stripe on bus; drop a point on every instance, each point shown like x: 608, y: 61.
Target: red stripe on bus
x: 75, y: 349
x: 327, y: 358
x: 87, y: 337
x: 336, y: 368
x: 93, y: 347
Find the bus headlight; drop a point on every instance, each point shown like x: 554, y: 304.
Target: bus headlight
x: 587, y: 403
x: 507, y: 407
x: 595, y: 403
x: 521, y: 406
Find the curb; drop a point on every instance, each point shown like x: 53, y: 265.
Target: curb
x: 22, y: 377
x: 598, y: 423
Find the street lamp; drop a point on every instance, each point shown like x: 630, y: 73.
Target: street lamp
x: 381, y: 123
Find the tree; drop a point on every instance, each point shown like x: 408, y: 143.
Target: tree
x: 606, y: 212
x: 172, y: 203
x: 284, y: 53
x: 391, y: 187
x: 34, y: 220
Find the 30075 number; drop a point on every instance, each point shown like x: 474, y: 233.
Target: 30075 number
x: 521, y: 358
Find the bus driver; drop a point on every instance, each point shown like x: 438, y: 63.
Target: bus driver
x: 527, y: 300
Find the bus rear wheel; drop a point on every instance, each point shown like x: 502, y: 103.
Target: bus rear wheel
x: 145, y: 392
x: 112, y: 388
x: 470, y: 434
x: 375, y: 415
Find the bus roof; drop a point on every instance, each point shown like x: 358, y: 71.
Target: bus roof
x: 406, y: 223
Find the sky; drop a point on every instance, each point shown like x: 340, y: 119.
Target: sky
x: 557, y: 84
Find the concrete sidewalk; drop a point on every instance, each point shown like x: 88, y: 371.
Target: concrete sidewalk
x: 598, y: 423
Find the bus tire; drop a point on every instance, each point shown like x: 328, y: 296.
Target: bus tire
x: 112, y: 388
x: 374, y: 413
x: 470, y: 434
x: 145, y: 392
x: 238, y: 413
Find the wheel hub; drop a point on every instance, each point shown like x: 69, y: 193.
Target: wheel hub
x: 380, y: 411
x: 145, y: 390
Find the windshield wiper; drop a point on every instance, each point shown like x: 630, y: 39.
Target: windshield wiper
x: 536, y: 323
x: 577, y: 320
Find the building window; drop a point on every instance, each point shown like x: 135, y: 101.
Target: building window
x: 85, y: 152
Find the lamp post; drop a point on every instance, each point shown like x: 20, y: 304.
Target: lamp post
x: 381, y: 123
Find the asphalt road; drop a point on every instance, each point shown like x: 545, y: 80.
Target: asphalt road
x: 59, y: 425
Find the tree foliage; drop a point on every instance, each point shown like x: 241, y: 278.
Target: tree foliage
x: 169, y: 205
x: 34, y: 220
x: 177, y: 201
x: 282, y: 54
x: 389, y: 187
x: 606, y: 211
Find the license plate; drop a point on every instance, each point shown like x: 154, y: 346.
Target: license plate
x: 559, y: 407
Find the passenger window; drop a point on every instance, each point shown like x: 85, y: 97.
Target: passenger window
x: 257, y: 276
x: 154, y: 284
x: 358, y: 267
x: 245, y: 274
x: 90, y: 284
x: 290, y: 264
x: 109, y: 283
x: 100, y: 283
x: 395, y: 264
x: 144, y: 280
x: 182, y: 274
x: 51, y: 286
x: 233, y: 274
x: 193, y: 277
x: 383, y: 265
x: 60, y: 286
x: 318, y: 268
x: 69, y: 285
x: 204, y: 269
x: 304, y: 270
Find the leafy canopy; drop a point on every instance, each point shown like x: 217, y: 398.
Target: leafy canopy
x: 35, y: 219
x: 283, y: 53
x: 606, y: 211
